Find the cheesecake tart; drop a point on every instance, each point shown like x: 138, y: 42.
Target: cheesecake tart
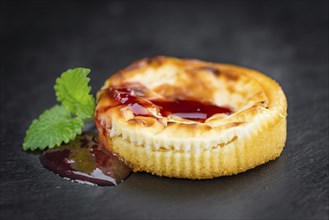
x: 187, y: 118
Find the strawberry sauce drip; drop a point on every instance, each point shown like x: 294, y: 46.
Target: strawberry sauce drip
x: 190, y: 109
x: 135, y: 99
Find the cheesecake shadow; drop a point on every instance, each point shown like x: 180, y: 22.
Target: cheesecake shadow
x: 258, y: 178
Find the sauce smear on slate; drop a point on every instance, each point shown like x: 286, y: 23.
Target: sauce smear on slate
x: 84, y: 160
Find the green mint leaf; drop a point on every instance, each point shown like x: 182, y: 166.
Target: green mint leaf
x: 53, y: 127
x: 72, y: 91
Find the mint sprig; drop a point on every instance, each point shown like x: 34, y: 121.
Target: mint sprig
x: 63, y: 123
x: 72, y: 91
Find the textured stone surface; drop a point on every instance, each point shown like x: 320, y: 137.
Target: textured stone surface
x: 287, y: 41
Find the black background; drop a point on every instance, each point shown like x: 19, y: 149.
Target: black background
x: 286, y: 40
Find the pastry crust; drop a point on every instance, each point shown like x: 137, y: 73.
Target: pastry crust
x: 176, y: 147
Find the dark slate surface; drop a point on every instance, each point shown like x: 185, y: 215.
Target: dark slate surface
x: 287, y: 41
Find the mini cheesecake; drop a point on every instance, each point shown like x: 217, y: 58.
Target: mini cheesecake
x: 188, y: 118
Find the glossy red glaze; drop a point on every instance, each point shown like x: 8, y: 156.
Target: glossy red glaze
x: 188, y: 109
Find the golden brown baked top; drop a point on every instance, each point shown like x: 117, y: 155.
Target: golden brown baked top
x: 129, y: 104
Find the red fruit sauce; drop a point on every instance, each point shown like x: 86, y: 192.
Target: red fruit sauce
x: 84, y: 160
x: 188, y: 109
